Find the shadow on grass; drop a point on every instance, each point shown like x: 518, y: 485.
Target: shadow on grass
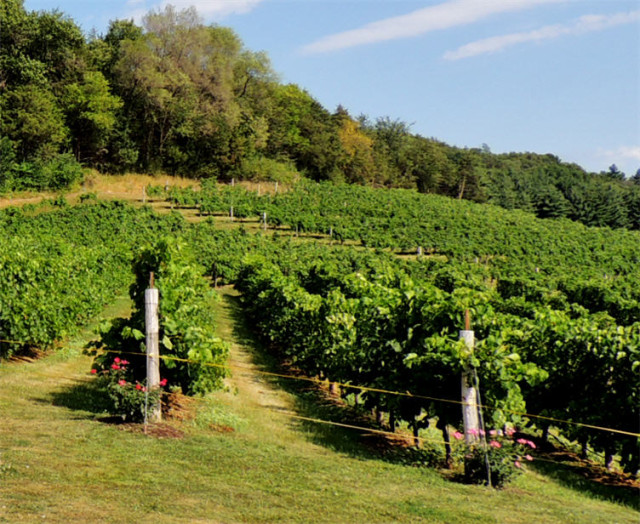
x: 313, y: 402
x: 84, y: 395
x: 590, y: 480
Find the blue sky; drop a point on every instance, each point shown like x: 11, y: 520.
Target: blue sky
x: 548, y: 76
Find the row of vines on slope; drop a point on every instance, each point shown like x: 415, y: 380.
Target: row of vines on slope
x: 60, y: 268
x: 371, y: 319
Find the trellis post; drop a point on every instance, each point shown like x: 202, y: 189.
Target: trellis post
x: 468, y: 390
x: 151, y: 302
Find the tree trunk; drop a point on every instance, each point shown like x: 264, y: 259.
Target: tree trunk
x: 584, y: 448
x: 545, y: 434
x: 442, y: 426
x: 608, y: 458
x: 392, y: 421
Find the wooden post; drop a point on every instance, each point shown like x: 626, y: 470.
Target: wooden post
x: 152, y: 327
x: 469, y: 393
x: 231, y: 212
x: 233, y: 182
x: 419, y: 251
x: 144, y: 195
x: 264, y: 220
x: 276, y: 187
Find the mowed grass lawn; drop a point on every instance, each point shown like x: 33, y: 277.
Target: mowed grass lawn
x: 60, y: 463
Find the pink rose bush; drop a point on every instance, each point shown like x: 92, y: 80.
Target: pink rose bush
x: 504, y: 454
x: 128, y: 396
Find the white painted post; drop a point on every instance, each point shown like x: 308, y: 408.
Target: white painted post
x: 152, y: 326
x: 419, y: 251
x: 231, y: 212
x: 469, y: 393
x: 264, y: 220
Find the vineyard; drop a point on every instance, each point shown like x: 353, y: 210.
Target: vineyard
x: 363, y: 288
x: 556, y: 305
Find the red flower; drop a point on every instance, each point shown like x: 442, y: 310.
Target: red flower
x: 115, y: 366
x: 457, y: 435
x: 163, y: 382
x: 122, y: 382
x: 495, y: 444
x: 117, y: 360
x: 138, y: 387
x: 124, y: 362
x: 94, y: 371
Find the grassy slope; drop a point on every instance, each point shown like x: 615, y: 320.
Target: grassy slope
x: 59, y: 463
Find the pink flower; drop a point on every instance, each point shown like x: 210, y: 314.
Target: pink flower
x: 457, y: 435
x: 163, y: 382
x: 495, y: 444
x: 117, y: 360
x: 144, y: 389
x: 493, y: 432
x: 522, y: 441
x: 509, y: 432
x: 122, y: 382
x: 531, y: 444
x: 528, y: 457
x: 473, y: 432
x: 115, y: 366
x: 124, y: 362
x: 517, y: 464
x: 482, y: 432
x: 94, y: 371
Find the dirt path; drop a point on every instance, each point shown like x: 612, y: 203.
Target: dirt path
x: 255, y: 391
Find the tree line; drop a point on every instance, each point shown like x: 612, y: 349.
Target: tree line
x: 174, y: 95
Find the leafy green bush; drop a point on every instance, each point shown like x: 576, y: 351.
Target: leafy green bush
x: 59, y: 173
x: 185, y: 317
x: 262, y: 168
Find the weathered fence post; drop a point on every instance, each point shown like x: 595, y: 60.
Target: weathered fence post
x: 469, y: 392
x: 264, y: 220
x: 231, y: 212
x: 152, y: 327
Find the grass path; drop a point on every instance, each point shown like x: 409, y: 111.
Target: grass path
x: 60, y: 463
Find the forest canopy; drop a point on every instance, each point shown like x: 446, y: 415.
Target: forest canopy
x: 176, y: 95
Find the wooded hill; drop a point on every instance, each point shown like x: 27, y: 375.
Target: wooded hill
x: 178, y: 96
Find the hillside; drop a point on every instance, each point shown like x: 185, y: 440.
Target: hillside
x: 132, y: 100
x: 331, y: 286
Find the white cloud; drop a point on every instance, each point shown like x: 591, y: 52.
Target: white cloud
x: 584, y: 24
x: 215, y: 8
x: 622, y: 152
x: 442, y: 16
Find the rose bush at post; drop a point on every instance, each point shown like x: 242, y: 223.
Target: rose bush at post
x: 127, y: 395
x: 504, y: 456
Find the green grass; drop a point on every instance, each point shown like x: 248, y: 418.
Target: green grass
x: 60, y: 463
